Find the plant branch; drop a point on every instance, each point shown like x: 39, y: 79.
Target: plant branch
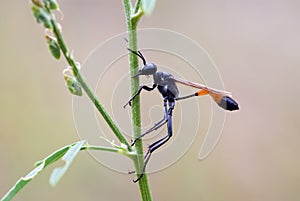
x: 115, y: 149
x: 99, y: 148
x: 84, y: 84
x: 137, y: 6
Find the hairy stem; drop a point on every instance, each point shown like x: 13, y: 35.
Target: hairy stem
x: 132, y: 22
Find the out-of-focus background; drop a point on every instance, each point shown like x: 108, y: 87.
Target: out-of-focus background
x: 256, y: 46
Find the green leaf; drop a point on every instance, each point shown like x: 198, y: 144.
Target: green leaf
x: 148, y: 6
x: 41, y: 16
x: 42, y: 165
x: 68, y: 158
x: 53, y: 47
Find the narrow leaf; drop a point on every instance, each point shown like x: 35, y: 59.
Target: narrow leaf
x: 42, y: 165
x: 68, y: 158
x: 148, y: 6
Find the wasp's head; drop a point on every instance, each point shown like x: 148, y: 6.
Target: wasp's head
x: 148, y: 68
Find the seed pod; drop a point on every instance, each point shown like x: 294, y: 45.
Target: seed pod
x: 74, y: 86
x: 41, y: 16
x: 72, y: 83
x: 53, y: 5
x: 38, y: 3
x: 53, y: 47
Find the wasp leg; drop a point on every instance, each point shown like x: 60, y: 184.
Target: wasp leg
x: 145, y: 87
x: 156, y: 126
x: 160, y: 142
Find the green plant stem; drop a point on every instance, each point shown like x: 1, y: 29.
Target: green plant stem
x: 85, y: 86
x: 98, y: 148
x: 137, y: 6
x: 132, y: 22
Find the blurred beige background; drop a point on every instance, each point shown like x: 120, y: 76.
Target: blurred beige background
x: 255, y: 45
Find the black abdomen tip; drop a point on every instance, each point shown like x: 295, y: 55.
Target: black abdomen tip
x: 228, y: 103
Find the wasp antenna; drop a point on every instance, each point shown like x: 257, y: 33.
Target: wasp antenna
x: 134, y: 52
x: 142, y: 57
x: 139, y: 54
x: 126, y: 39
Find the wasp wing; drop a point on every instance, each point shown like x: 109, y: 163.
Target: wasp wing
x: 202, y: 86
